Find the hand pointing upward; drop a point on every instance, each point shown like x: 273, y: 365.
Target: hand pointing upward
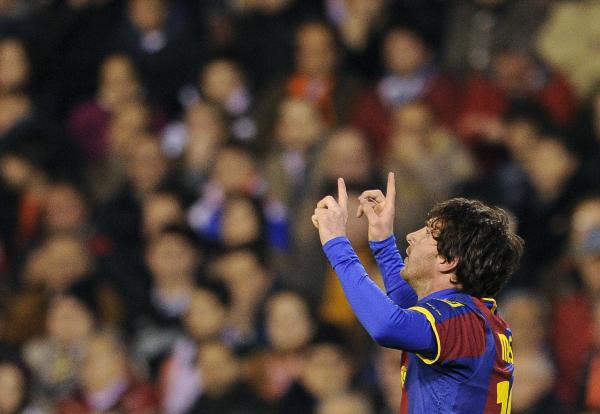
x: 331, y: 216
x: 379, y: 210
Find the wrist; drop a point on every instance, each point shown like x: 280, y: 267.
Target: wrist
x: 338, y: 250
x: 379, y: 235
x: 377, y: 244
x: 330, y: 236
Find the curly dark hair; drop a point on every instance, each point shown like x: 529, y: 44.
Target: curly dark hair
x: 480, y: 237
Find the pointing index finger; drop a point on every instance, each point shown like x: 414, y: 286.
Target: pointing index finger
x: 342, y: 194
x: 390, y: 193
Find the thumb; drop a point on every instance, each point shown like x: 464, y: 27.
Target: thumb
x: 359, y: 211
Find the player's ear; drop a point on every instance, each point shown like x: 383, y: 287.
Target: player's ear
x: 446, y: 266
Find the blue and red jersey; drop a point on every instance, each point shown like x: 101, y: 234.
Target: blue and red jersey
x: 458, y: 355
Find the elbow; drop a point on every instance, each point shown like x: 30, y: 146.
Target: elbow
x: 381, y: 335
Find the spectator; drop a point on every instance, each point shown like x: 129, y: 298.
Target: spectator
x: 360, y: 25
x: 243, y: 225
x: 106, y: 176
x: 224, y: 392
x: 146, y: 170
x: 204, y: 321
x: 533, y: 392
x: 527, y: 315
x: 156, y: 36
x: 524, y: 125
x: 515, y: 75
x: 557, y: 176
x: 15, y: 386
x: 222, y: 83
x: 573, y: 310
x: 234, y: 171
x: 196, y: 142
x: 316, y: 77
x: 208, y: 312
x: 122, y: 207
x: 89, y: 122
x: 410, y: 74
x: 390, y: 378
x: 173, y: 259
x: 347, y: 154
x: 235, y: 175
x: 74, y: 38
x: 474, y: 29
x: 68, y: 323
x: 290, y: 165
x: 248, y: 281
x: 62, y: 264
x: 264, y: 36
x: 24, y: 130
x: 501, y: 178
x: 289, y: 329
x: 326, y: 373
x: 566, y: 40
x: 106, y: 382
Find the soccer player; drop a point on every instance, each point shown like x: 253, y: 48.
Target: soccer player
x: 439, y: 306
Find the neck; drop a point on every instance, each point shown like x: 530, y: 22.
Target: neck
x: 425, y: 287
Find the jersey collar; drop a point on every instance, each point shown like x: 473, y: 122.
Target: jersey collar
x: 440, y: 294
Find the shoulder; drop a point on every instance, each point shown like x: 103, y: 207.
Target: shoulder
x: 458, y: 328
x: 442, y: 310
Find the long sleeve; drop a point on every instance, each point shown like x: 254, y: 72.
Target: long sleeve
x: 390, y: 264
x: 387, y: 323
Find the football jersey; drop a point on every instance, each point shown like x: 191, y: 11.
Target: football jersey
x: 472, y: 368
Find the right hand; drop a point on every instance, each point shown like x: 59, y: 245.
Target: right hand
x: 379, y: 209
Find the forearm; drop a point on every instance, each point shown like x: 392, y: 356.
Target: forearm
x: 390, y: 264
x: 389, y: 324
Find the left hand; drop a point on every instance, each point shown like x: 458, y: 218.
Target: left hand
x: 331, y: 216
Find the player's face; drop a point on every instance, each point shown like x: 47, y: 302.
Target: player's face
x: 421, y: 255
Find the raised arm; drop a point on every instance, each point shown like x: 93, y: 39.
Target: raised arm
x: 379, y: 209
x: 390, y: 264
x: 389, y: 324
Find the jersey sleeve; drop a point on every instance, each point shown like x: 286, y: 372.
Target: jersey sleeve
x: 391, y: 264
x: 388, y: 324
x: 459, y: 332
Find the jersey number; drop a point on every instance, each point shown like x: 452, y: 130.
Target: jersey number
x: 504, y: 396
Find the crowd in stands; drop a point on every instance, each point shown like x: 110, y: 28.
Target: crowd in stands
x: 160, y: 161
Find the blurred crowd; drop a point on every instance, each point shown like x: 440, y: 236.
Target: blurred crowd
x: 160, y: 160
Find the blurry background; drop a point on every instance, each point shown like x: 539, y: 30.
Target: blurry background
x: 160, y: 160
